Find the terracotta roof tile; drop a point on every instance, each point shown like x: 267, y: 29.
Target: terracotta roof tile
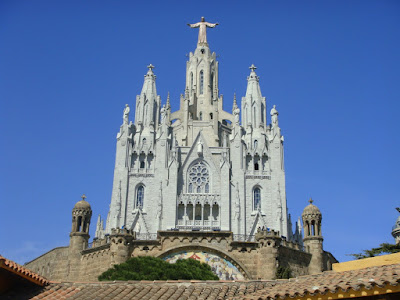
x: 326, y: 283
x: 22, y: 271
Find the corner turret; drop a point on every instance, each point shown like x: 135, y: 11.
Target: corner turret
x: 313, y: 239
x: 396, y: 229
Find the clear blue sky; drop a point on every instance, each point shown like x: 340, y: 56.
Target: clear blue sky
x: 67, y: 68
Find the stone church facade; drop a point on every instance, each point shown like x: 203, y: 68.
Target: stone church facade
x: 198, y: 182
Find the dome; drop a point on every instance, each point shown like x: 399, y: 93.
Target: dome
x: 397, y: 225
x: 311, y: 209
x: 82, y: 204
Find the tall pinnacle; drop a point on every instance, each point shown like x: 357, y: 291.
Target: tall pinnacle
x: 202, y: 29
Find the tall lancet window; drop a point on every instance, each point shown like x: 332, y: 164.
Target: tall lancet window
x: 262, y: 113
x: 198, y: 178
x: 201, y: 82
x: 256, y: 198
x: 212, y: 83
x: 139, y: 196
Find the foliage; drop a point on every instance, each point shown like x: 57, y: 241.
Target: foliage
x: 283, y: 273
x: 384, y: 248
x: 153, y: 268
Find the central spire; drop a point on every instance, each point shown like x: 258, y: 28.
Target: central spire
x: 202, y: 30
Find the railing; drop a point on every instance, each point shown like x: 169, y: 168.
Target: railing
x: 146, y: 236
x: 243, y: 238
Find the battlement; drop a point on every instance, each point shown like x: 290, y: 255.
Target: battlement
x: 123, y: 231
x: 267, y: 233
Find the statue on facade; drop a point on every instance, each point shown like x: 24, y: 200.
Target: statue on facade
x: 274, y: 116
x: 236, y: 113
x: 202, y: 30
x: 126, y: 114
x: 163, y: 113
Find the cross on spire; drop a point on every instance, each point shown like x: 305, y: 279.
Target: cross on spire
x: 151, y: 67
x: 83, y: 197
x: 252, y: 67
x: 311, y: 200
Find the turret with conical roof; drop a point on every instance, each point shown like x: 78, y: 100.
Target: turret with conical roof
x: 396, y: 229
x: 79, y: 236
x: 313, y: 239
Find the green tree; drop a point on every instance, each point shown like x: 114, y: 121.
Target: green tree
x: 153, y: 268
x: 384, y: 248
x: 283, y: 273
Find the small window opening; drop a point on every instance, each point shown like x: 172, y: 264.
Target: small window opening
x: 256, y: 167
x: 211, y: 116
x: 201, y: 82
x: 201, y: 116
x: 142, y: 164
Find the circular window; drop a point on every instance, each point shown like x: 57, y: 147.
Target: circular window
x: 198, y: 178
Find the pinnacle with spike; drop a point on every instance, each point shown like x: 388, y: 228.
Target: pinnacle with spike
x: 168, y: 102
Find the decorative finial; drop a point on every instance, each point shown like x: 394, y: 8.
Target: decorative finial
x: 252, y: 67
x: 234, y: 99
x: 151, y: 67
x: 83, y: 197
x: 311, y: 200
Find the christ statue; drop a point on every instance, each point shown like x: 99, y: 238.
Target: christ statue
x: 202, y: 31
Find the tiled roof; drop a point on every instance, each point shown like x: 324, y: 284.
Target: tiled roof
x: 363, y: 282
x: 331, y: 282
x: 13, y: 267
x: 145, y: 290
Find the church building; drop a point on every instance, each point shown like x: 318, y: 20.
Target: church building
x: 199, y: 182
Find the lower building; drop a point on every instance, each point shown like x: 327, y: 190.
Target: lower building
x: 231, y: 257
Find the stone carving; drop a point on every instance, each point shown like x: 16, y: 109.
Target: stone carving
x: 274, y: 116
x: 237, y: 202
x: 163, y: 113
x: 202, y: 30
x: 236, y: 113
x: 126, y: 114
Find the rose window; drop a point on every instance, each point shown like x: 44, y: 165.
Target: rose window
x: 199, y: 179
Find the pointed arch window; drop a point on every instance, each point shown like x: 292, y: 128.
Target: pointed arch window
x: 256, y: 198
x: 198, y: 178
x: 139, y: 196
x: 201, y: 82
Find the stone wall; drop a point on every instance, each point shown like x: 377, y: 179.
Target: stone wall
x: 52, y: 265
x: 298, y: 261
x: 255, y: 260
x: 95, y: 261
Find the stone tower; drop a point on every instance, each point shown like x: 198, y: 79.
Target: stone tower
x: 79, y: 236
x: 313, y: 239
x: 396, y: 228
